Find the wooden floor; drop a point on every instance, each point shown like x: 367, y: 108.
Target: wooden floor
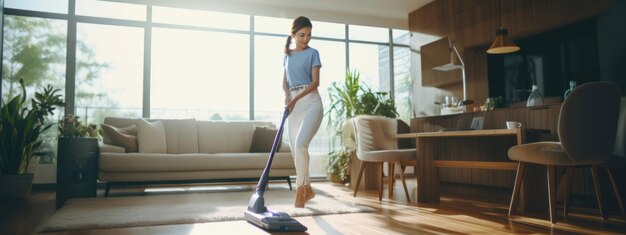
x: 453, y: 215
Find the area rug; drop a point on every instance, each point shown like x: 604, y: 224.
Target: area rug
x: 133, y: 211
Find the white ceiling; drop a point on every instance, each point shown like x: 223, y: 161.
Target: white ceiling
x: 394, y: 9
x: 383, y: 13
x: 387, y: 13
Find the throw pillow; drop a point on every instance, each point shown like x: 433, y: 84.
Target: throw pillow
x: 122, y: 137
x: 263, y: 138
x: 151, y: 136
x: 106, y: 135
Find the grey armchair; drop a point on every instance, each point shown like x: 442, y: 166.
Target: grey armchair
x: 587, y: 128
x: 376, y: 144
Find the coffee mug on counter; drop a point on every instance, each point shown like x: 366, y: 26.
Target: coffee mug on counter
x: 513, y: 125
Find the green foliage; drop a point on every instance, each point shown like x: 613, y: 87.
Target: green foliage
x: 32, y: 52
x: 348, y: 99
x: 352, y: 98
x: 35, y: 50
x: 492, y: 102
x: 71, y: 126
x: 20, y: 128
x: 343, y: 99
x: 338, y: 162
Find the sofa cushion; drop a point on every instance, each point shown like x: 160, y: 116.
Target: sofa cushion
x: 232, y: 137
x: 181, y: 135
x: 151, y: 136
x: 125, y: 137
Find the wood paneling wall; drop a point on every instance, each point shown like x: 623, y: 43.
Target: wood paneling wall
x: 471, y: 25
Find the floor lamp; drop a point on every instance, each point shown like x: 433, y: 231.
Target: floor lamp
x: 450, y: 66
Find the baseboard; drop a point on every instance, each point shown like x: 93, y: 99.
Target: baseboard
x: 53, y: 187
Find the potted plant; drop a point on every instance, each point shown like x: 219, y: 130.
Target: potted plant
x: 77, y: 149
x: 20, y: 127
x: 71, y: 126
x: 348, y: 99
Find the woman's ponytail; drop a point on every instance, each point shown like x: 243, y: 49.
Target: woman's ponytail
x: 287, y: 45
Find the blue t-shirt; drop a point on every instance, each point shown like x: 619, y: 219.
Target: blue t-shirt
x: 299, y: 64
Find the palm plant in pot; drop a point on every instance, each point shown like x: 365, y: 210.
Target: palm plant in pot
x: 348, y: 99
x: 20, y: 128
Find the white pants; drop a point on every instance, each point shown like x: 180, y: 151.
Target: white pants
x: 304, y: 121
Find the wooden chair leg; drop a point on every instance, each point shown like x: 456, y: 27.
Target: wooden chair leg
x: 552, y: 192
x: 406, y: 191
x: 380, y: 184
x: 107, y: 188
x: 391, y: 177
x: 569, y: 176
x: 618, y: 195
x: 358, y: 181
x: 596, y: 184
x: 519, y: 177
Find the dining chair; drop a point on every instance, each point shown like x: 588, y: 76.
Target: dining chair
x: 377, y: 144
x: 586, y: 130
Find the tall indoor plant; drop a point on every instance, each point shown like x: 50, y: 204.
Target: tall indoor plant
x: 20, y: 128
x: 348, y: 99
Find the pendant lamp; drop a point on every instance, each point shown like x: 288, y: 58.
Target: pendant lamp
x: 502, y: 44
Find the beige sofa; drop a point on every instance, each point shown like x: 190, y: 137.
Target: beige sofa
x: 194, y: 152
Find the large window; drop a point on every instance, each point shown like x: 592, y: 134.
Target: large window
x: 109, y: 72
x: 372, y: 62
x: 269, y: 97
x: 111, y: 10
x: 402, y: 74
x: 55, y: 6
x: 403, y: 82
x: 366, y: 33
x: 200, y: 18
x: 140, y: 59
x: 34, y: 49
x: 200, y: 74
x: 273, y: 25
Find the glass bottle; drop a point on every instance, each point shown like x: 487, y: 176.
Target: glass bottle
x: 535, y: 98
x: 572, y: 84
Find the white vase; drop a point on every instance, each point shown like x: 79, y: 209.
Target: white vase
x: 572, y: 85
x: 535, y: 98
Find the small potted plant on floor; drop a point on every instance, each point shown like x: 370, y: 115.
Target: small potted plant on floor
x: 20, y: 128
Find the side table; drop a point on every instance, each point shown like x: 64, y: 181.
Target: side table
x: 77, y: 168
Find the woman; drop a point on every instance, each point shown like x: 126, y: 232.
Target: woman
x: 300, y: 81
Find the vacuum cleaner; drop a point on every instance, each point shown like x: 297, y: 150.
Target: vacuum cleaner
x: 257, y: 213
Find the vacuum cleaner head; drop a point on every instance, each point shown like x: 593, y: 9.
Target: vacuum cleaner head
x: 275, y: 221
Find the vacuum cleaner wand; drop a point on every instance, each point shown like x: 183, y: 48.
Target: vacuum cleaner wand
x: 257, y: 213
x: 262, y: 185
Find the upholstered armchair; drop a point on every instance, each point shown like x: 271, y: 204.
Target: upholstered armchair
x: 377, y: 144
x: 587, y: 129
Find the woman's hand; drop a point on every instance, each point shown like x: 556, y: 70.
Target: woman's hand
x: 291, y: 105
x: 287, y: 99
